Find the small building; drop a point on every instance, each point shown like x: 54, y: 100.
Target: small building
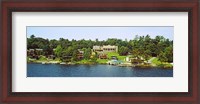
x: 80, y: 54
x: 37, y: 49
x: 128, y: 58
x: 30, y: 52
x: 97, y: 49
x: 103, y: 56
x: 110, y: 48
x: 34, y: 53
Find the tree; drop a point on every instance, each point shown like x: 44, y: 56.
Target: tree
x: 32, y: 36
x: 94, y: 57
x: 53, y: 43
x: 87, y: 53
x: 136, y: 53
x: 146, y: 55
x: 162, y: 57
x: 169, y: 53
x: 123, y: 50
x: 140, y: 46
x: 67, y: 52
x: 58, y: 51
x: 74, y: 55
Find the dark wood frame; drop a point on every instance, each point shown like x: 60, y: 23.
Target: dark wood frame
x: 190, y: 6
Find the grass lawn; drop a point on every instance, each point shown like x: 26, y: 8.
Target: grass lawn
x: 161, y: 64
x: 42, y: 58
x: 116, y: 54
x: 102, y: 61
x: 156, y: 61
x: 57, y: 59
x: 84, y: 61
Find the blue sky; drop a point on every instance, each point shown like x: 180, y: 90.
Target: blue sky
x: 101, y: 33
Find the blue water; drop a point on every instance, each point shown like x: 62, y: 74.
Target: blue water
x: 56, y: 70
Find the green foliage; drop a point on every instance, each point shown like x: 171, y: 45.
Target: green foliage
x: 42, y: 58
x: 87, y: 53
x: 110, y: 54
x: 32, y: 36
x: 146, y: 47
x: 140, y: 46
x: 102, y: 61
x: 156, y: 61
x: 68, y: 51
x: 94, y: 57
x: 146, y: 55
x: 123, y: 50
x: 169, y: 53
x: 166, y: 55
x: 167, y: 65
x: 162, y: 57
x: 53, y: 43
x: 58, y: 51
x: 136, y: 53
x: 74, y: 55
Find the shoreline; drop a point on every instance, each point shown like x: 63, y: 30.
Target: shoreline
x: 119, y: 65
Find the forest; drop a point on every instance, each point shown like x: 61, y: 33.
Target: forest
x: 140, y: 46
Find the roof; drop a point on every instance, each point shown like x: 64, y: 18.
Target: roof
x: 96, y: 47
x: 39, y: 49
x: 109, y: 46
x: 31, y: 49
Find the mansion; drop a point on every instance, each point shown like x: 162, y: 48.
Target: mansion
x: 105, y: 48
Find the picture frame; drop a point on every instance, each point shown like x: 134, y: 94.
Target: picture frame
x: 192, y: 7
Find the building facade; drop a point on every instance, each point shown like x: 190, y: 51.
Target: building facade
x: 80, y: 54
x: 105, y: 48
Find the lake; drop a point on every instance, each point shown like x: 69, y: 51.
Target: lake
x: 56, y: 70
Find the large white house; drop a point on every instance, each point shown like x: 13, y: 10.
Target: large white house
x: 105, y: 48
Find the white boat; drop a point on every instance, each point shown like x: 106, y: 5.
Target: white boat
x: 62, y: 63
x: 43, y: 63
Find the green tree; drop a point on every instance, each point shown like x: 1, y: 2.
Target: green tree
x: 87, y: 53
x: 169, y: 53
x: 140, y: 46
x: 136, y: 53
x: 147, y: 55
x: 74, y: 55
x: 53, y: 43
x: 162, y: 57
x: 94, y: 57
x: 32, y: 36
x: 123, y: 50
x: 58, y: 51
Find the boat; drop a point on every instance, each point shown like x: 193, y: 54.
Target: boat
x: 63, y: 63
x: 126, y: 65
x: 114, y: 62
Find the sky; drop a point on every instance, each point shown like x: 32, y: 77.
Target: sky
x: 100, y: 33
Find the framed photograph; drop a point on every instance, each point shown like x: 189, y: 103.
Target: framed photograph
x: 100, y: 51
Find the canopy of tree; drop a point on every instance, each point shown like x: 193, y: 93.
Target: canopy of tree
x: 139, y: 46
